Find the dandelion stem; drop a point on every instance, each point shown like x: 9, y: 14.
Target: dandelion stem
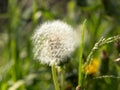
x: 55, y: 78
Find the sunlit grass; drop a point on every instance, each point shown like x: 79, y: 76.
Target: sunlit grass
x: 100, y: 35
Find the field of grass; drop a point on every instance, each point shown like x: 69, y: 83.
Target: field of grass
x: 94, y: 65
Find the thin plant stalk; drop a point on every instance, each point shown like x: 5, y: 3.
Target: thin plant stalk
x: 99, y: 44
x: 80, y: 76
x: 62, y: 80
x: 55, y: 78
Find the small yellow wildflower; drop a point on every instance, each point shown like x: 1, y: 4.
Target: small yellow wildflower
x: 93, y: 67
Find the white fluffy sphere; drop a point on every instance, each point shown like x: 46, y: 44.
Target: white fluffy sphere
x: 53, y: 42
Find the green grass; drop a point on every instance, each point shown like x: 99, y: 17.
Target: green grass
x: 17, y: 24
x: 80, y: 73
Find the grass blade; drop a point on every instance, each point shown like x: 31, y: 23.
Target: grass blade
x: 80, y: 56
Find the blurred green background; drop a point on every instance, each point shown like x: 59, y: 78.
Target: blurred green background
x: 18, y: 20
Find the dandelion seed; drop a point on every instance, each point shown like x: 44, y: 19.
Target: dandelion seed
x: 53, y: 42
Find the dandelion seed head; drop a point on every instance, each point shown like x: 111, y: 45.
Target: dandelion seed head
x: 53, y: 42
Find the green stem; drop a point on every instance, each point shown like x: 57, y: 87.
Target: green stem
x: 62, y: 80
x: 80, y: 76
x: 55, y: 78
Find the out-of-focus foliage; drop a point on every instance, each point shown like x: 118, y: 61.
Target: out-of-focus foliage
x: 18, y: 20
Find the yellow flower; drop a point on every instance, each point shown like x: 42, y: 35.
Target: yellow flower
x: 93, y: 67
